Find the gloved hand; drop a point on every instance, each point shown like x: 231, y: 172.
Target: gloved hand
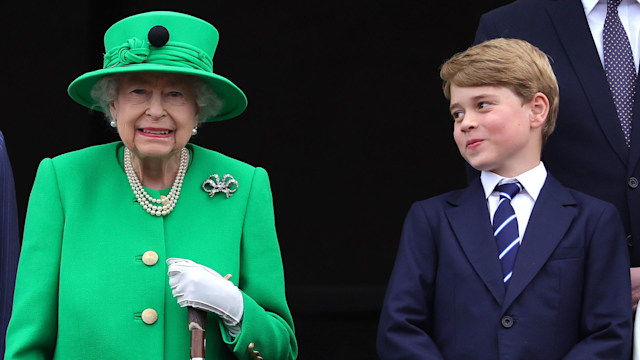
x: 203, y: 288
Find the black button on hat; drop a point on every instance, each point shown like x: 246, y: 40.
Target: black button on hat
x: 158, y: 36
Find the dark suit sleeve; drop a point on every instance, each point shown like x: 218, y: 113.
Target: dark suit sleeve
x: 9, y: 240
x: 406, y: 317
x: 606, y: 318
x: 486, y: 30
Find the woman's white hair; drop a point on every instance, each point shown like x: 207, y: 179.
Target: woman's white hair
x: 104, y: 92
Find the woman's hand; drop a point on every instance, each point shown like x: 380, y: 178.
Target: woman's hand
x: 203, y: 288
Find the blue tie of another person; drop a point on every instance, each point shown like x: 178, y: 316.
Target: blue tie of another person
x: 505, y: 228
x: 619, y: 66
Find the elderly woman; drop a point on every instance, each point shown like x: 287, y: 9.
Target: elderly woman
x: 121, y: 239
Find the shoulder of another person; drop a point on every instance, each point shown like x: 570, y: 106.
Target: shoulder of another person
x: 513, y: 13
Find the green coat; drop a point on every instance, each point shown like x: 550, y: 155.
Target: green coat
x: 82, y: 284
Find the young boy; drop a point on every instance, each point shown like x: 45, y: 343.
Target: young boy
x: 532, y: 270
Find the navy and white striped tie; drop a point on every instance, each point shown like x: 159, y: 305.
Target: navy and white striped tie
x: 505, y: 228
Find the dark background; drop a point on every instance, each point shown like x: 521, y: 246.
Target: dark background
x: 345, y: 112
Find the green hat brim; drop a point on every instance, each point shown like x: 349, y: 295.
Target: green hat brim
x: 234, y: 102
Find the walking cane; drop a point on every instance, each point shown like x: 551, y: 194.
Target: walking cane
x: 197, y: 324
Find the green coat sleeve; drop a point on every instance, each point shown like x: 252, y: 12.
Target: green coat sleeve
x: 267, y: 320
x: 32, y: 330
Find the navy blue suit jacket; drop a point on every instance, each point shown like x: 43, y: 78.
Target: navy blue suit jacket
x: 9, y: 240
x: 569, y: 297
x: 587, y: 151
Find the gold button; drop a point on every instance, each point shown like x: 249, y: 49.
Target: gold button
x: 150, y: 258
x: 149, y: 316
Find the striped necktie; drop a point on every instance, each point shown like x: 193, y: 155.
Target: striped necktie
x: 619, y: 66
x: 505, y: 228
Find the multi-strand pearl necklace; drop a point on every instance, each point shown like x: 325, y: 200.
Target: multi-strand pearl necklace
x: 144, y: 199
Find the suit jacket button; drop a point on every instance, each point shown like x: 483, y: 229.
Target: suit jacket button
x: 633, y: 182
x: 629, y: 241
x: 149, y: 316
x: 150, y: 258
x: 506, y: 321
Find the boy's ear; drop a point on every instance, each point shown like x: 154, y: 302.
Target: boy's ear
x: 539, y: 106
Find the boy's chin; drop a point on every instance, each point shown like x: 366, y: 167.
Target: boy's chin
x: 479, y: 166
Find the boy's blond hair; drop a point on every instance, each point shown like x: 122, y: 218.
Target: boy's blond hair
x: 513, y: 63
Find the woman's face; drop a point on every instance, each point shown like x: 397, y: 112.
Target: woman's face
x: 155, y: 113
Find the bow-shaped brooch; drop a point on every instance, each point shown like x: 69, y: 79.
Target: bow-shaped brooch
x: 228, y: 185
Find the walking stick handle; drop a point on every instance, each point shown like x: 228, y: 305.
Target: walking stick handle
x: 197, y: 319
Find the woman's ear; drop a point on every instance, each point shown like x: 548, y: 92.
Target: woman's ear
x: 113, y: 110
x: 195, y: 121
x: 539, y: 106
x: 196, y: 114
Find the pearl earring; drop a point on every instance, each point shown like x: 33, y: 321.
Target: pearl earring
x: 194, y: 132
x: 113, y: 123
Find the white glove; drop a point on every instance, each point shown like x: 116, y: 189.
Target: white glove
x: 203, y: 288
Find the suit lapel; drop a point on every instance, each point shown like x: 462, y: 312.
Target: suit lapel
x: 573, y: 31
x: 469, y: 219
x: 552, y: 215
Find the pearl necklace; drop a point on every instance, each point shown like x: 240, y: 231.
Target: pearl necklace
x: 144, y: 199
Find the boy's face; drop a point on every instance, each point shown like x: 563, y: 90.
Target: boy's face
x: 495, y: 131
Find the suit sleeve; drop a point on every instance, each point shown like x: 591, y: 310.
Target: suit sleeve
x: 32, y: 330
x: 406, y: 316
x: 267, y: 321
x: 606, y: 318
x: 9, y: 240
x: 486, y: 30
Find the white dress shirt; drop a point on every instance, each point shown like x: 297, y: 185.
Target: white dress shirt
x: 629, y: 13
x: 522, y: 204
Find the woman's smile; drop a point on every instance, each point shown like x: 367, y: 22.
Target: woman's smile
x: 155, y: 132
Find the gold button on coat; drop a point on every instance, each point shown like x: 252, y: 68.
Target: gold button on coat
x: 149, y: 316
x: 150, y: 258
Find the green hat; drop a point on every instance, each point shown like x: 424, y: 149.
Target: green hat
x: 162, y: 41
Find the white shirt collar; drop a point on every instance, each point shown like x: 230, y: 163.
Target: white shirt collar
x: 588, y: 5
x: 532, y: 181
